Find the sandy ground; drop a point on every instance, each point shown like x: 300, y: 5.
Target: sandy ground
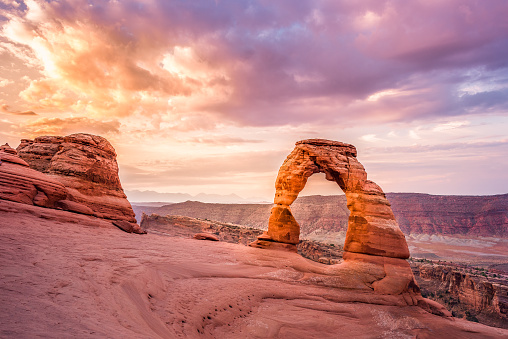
x: 66, y: 275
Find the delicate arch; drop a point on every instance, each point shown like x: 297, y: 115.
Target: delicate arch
x: 372, y: 228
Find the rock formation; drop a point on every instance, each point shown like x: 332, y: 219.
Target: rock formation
x: 466, y: 290
x: 372, y: 228
x: 375, y: 247
x: 205, y: 236
x: 86, y: 165
x: 186, y: 227
x: 20, y: 183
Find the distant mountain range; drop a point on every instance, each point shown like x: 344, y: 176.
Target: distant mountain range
x: 323, y: 217
x: 136, y: 196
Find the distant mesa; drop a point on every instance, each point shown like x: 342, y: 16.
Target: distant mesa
x: 76, y: 173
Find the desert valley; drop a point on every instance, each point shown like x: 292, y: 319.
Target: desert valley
x: 75, y: 262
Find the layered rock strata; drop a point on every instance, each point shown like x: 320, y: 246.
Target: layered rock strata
x: 481, y: 294
x: 20, y: 183
x: 375, y: 247
x: 86, y: 165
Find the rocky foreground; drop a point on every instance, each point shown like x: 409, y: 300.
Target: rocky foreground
x: 470, y: 292
x: 70, y: 275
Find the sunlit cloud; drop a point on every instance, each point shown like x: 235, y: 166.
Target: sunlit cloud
x: 58, y: 126
x: 7, y: 110
x: 451, y: 125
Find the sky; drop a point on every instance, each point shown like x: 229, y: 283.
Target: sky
x: 211, y: 95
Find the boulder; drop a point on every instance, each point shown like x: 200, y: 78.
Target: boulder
x: 206, y: 236
x: 129, y: 227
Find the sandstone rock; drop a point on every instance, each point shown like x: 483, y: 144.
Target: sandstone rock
x: 372, y: 227
x: 73, y: 206
x: 186, y: 227
x: 375, y: 246
x: 86, y: 165
x: 273, y: 245
x: 477, y: 292
x: 128, y: 227
x: 206, y: 236
x: 21, y: 184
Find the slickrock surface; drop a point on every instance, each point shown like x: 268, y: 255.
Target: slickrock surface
x: 86, y: 165
x: 64, y: 275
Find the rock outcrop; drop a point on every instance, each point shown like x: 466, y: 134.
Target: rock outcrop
x: 375, y: 247
x: 471, y: 216
x: 465, y: 290
x: 187, y: 227
x: 372, y: 228
x: 20, y: 183
x: 86, y: 165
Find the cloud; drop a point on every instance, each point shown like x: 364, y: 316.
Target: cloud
x: 7, y: 110
x: 5, y: 82
x: 65, y: 126
x: 451, y: 125
x: 261, y: 63
x: 223, y: 140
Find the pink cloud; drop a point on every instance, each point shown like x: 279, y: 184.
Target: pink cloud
x: 265, y: 63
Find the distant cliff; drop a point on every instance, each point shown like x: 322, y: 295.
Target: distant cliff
x: 416, y: 214
x: 450, y: 215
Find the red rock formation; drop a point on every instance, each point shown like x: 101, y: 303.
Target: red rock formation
x: 479, y: 293
x: 20, y: 183
x: 327, y: 216
x: 372, y: 227
x: 86, y: 165
x: 205, y: 236
x: 474, y: 216
x: 375, y: 247
x: 186, y: 227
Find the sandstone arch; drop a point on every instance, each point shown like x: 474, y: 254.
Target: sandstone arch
x: 372, y: 228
